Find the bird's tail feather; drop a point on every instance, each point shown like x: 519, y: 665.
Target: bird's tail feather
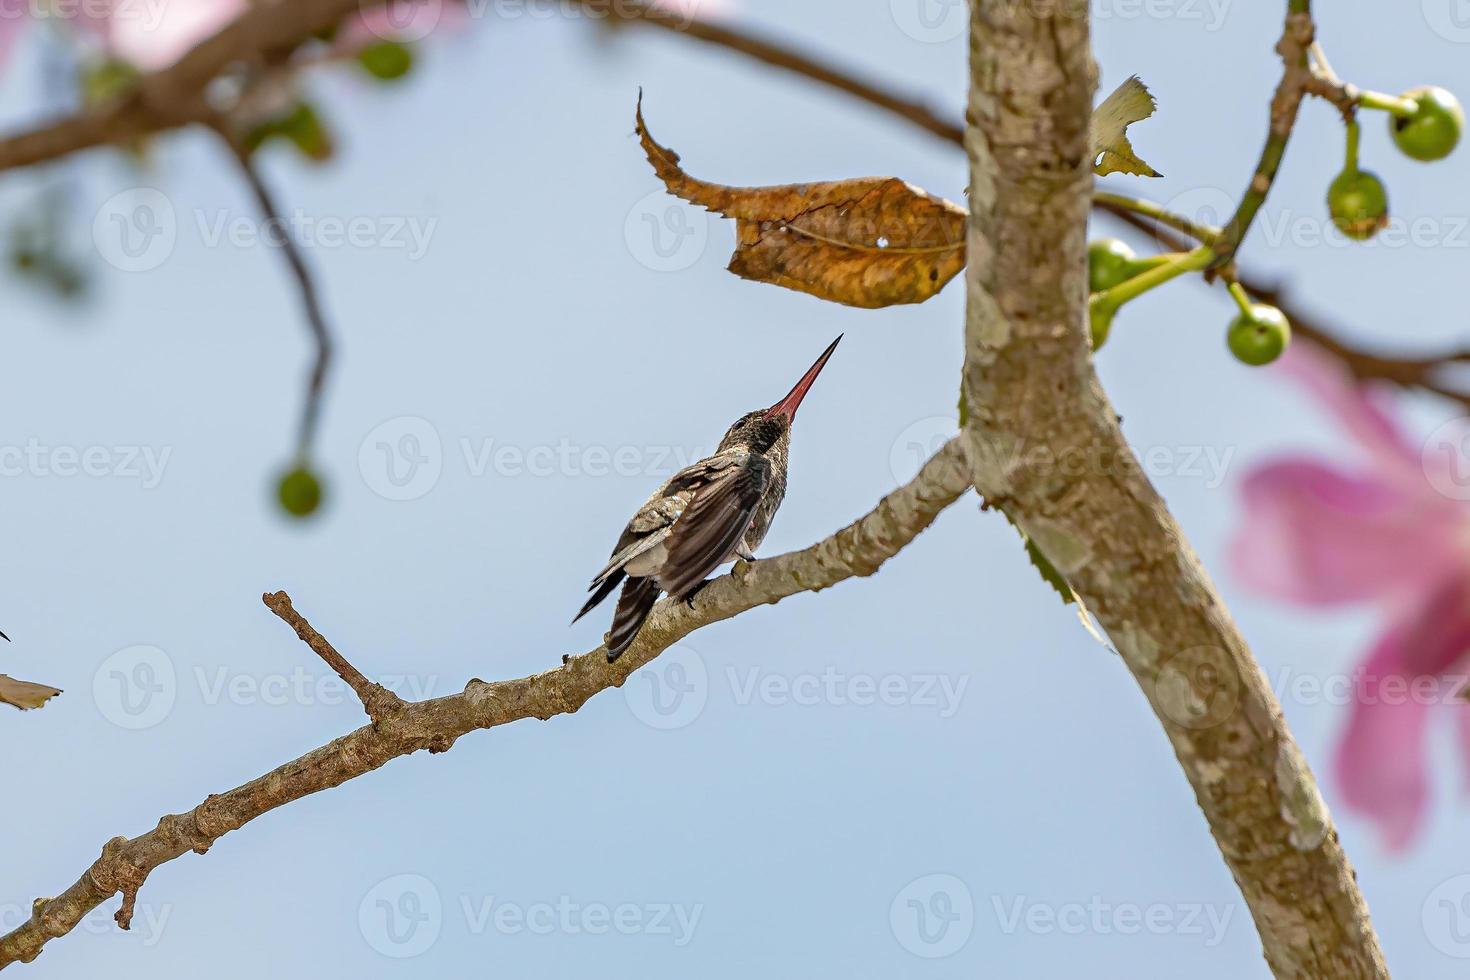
x: 634, y: 605
x: 604, y: 589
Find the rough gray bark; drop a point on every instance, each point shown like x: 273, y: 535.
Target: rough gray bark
x: 1030, y: 386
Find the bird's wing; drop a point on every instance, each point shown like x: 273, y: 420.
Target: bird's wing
x: 652, y: 522
x: 713, y: 523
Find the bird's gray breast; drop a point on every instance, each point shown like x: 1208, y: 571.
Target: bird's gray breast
x: 765, y: 511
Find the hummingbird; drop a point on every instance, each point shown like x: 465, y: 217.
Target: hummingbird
x: 708, y: 513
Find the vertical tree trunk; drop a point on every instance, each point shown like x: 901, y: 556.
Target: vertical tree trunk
x: 1035, y: 403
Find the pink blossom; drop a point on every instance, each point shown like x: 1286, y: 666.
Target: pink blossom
x: 16, y: 16
x: 169, y: 31
x: 1380, y: 533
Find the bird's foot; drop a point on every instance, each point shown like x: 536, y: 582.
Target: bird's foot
x: 689, y: 596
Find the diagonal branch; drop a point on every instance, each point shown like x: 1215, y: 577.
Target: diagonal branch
x: 1029, y: 380
x: 176, y: 96
x: 377, y: 700
x: 857, y: 550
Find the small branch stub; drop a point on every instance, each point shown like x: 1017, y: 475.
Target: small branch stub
x: 379, y: 702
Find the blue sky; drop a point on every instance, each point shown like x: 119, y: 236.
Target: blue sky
x: 935, y: 761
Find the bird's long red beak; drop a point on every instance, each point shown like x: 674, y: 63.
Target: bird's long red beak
x: 788, y: 405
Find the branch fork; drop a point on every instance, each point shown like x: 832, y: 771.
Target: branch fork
x: 380, y: 703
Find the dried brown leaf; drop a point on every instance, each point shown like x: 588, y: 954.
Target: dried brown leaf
x: 1130, y: 102
x: 867, y: 242
x: 24, y: 694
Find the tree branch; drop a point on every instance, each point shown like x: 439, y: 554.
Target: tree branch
x: 857, y: 550
x: 1297, y: 39
x: 316, y: 320
x: 139, y: 117
x: 1028, y: 380
x: 379, y: 702
x: 175, y: 96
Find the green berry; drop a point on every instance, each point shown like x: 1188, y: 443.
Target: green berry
x: 386, y: 60
x: 1109, y: 263
x: 300, y: 492
x: 1358, y: 202
x: 1433, y: 131
x: 303, y: 127
x: 1260, y: 336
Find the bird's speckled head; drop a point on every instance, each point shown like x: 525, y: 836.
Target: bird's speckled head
x: 759, y: 431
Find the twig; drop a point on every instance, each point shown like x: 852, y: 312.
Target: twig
x: 175, y: 96
x: 857, y: 550
x: 1296, y: 39
x: 1407, y: 372
x: 1127, y: 207
x: 305, y: 287
x: 379, y: 702
x: 777, y: 55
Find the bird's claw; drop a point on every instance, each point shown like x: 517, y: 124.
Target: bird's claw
x: 689, y: 596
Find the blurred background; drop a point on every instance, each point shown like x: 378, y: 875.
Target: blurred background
x: 532, y: 335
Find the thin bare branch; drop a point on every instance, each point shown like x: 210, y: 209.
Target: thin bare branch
x: 377, y: 700
x: 311, y: 304
x: 1296, y: 40
x: 857, y: 550
x: 176, y: 96
x: 777, y: 55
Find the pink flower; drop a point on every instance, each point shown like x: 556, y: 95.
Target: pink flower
x: 1383, y: 534
x: 168, y: 30
x: 16, y: 17
x: 154, y: 36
